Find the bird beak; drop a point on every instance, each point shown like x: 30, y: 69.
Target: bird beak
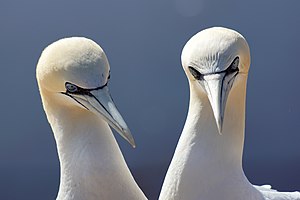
x: 100, y: 103
x: 217, y: 87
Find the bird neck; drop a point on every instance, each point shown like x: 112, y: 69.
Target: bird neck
x: 201, y: 132
x: 206, y: 164
x: 91, y: 163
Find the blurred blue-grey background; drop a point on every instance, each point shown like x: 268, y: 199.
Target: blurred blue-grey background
x: 143, y: 40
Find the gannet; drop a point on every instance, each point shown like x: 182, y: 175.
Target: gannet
x: 72, y: 76
x: 207, y: 163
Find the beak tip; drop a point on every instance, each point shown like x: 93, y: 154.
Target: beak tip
x: 219, y: 122
x: 220, y: 126
x: 132, y: 142
x: 128, y: 136
x: 220, y: 131
x: 103, y: 105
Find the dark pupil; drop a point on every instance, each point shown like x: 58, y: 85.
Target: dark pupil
x: 197, y: 75
x: 235, y: 63
x: 71, y: 88
x: 234, y: 66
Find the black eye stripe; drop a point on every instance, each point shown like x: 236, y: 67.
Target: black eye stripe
x: 233, y: 67
x: 197, y: 75
x: 80, y: 90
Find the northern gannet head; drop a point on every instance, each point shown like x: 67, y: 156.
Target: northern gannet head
x: 75, y: 72
x: 213, y: 59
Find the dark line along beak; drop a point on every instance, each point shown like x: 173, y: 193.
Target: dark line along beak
x: 99, y: 102
x: 217, y: 87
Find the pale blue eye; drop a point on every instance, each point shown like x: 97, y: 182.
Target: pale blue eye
x: 71, y: 87
x: 235, y: 63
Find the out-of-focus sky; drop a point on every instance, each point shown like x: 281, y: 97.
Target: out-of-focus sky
x: 143, y: 41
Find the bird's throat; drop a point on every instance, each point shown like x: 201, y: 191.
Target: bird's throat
x: 204, y: 160
x: 91, y: 163
x: 203, y: 134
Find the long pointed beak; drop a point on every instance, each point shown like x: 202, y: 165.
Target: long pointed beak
x: 217, y: 87
x: 100, y: 102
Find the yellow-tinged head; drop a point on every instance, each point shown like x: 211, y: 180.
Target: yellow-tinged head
x: 74, y: 72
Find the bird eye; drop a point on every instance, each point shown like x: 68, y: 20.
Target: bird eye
x: 71, y: 87
x: 197, y: 75
x: 235, y: 64
x: 234, y: 67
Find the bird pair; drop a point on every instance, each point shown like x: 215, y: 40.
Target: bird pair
x: 72, y: 75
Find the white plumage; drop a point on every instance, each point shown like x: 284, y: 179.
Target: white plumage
x: 207, y: 163
x: 72, y: 76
